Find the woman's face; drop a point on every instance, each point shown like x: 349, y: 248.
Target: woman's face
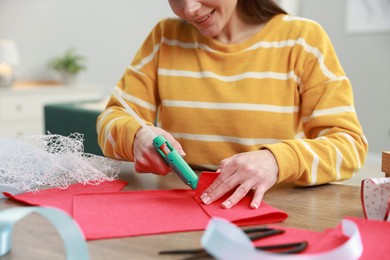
x: 210, y: 17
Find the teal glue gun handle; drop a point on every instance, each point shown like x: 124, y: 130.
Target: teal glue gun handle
x: 175, y: 161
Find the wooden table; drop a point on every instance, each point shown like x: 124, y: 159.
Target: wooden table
x: 314, y: 208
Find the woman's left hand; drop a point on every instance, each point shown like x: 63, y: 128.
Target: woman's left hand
x: 257, y: 170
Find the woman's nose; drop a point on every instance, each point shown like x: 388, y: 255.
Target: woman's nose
x: 191, y: 7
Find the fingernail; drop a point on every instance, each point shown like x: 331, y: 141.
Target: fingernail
x: 219, y: 170
x: 254, y: 205
x: 227, y: 204
x: 182, y: 153
x: 206, y: 199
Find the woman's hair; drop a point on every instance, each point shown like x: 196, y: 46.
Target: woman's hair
x: 263, y: 9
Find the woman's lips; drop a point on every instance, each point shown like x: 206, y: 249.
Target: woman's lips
x: 205, y: 18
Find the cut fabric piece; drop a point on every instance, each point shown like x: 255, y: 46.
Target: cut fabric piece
x: 292, y: 235
x: 132, y: 213
x: 135, y: 213
x: 104, y: 212
x: 375, y: 236
x: 63, y: 198
x: 223, y: 240
x: 241, y: 214
x: 374, y: 241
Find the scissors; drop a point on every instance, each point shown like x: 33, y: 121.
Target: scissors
x: 254, y: 234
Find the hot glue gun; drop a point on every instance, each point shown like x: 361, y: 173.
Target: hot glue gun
x: 171, y: 157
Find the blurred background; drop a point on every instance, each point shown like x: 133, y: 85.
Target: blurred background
x: 108, y: 33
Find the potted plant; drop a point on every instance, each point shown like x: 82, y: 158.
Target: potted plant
x: 69, y: 65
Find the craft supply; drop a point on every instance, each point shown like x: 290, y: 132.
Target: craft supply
x: 375, y: 194
x: 254, y: 234
x: 105, y: 212
x: 63, y: 198
x: 374, y: 235
x: 223, y: 240
x: 75, y: 245
x: 26, y: 163
x: 171, y: 157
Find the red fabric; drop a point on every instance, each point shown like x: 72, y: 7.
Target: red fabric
x: 104, y: 212
x: 63, y: 198
x: 375, y: 236
x: 108, y: 213
x: 292, y: 235
x: 135, y: 213
x: 330, y: 239
x: 241, y: 214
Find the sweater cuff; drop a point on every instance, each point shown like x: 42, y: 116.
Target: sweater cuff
x: 286, y: 159
x: 131, y: 130
x: 128, y: 136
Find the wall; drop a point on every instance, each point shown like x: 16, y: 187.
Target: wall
x: 366, y: 61
x: 110, y: 32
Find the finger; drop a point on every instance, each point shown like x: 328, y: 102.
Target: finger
x: 221, y: 185
x: 161, y: 168
x: 257, y: 198
x: 179, y: 149
x: 238, y: 195
x: 223, y: 176
x: 175, y: 144
x: 157, y: 166
x: 139, y: 167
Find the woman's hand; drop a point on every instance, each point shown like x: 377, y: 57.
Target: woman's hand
x: 257, y: 170
x: 146, y: 158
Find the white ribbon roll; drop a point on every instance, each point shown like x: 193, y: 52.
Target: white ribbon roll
x: 68, y: 229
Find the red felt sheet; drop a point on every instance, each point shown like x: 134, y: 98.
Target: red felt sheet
x: 241, y: 214
x: 103, y: 211
x: 135, y: 213
x: 375, y: 237
x: 109, y: 213
x: 292, y: 235
x: 63, y: 198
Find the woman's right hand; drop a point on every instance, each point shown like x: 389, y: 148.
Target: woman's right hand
x: 146, y: 158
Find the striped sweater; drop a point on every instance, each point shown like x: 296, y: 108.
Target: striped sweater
x: 283, y: 90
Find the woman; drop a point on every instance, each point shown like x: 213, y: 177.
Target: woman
x: 244, y: 89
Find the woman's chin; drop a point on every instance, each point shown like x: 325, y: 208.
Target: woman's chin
x: 209, y: 32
